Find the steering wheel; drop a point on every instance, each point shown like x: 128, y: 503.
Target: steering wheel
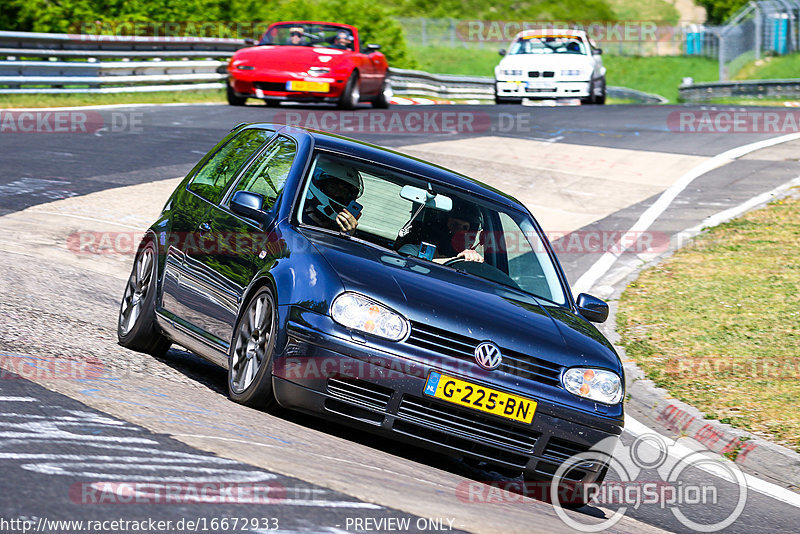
x: 482, y: 270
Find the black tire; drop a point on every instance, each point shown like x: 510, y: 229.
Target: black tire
x: 234, y: 100
x: 384, y: 98
x: 589, y: 99
x: 136, y: 327
x: 250, y: 354
x: 351, y: 94
x: 601, y: 99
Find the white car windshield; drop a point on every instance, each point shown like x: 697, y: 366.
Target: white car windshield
x: 431, y: 222
x: 559, y: 44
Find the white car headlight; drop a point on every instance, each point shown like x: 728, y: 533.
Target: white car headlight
x: 595, y: 384
x: 571, y: 72
x: 361, y: 313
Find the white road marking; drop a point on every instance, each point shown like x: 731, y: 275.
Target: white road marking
x: 17, y: 399
x: 607, y: 260
x: 636, y: 428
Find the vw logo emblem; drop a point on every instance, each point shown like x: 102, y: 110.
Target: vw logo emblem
x: 488, y: 355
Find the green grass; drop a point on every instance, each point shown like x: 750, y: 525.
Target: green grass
x: 717, y: 324
x: 445, y: 60
x: 651, y: 10
x: 771, y: 68
x: 66, y: 100
x: 658, y: 74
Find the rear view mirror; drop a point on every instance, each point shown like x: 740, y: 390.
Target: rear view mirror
x: 597, y: 51
x: 249, y: 41
x: 430, y: 199
x: 502, y: 51
x: 373, y: 48
x: 592, y: 308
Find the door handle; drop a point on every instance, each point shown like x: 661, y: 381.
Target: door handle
x: 204, y: 227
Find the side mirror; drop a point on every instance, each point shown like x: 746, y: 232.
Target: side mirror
x: 597, y: 51
x: 592, y: 308
x: 249, y: 41
x: 502, y: 51
x: 250, y: 205
x: 373, y: 48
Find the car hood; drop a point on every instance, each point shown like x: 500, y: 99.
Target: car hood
x: 435, y: 295
x: 295, y: 58
x: 554, y: 62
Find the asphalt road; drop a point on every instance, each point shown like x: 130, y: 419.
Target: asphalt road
x: 152, y: 143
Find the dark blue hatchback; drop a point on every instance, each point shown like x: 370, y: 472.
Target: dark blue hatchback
x: 348, y: 281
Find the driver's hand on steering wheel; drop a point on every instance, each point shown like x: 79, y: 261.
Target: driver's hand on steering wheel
x: 470, y: 255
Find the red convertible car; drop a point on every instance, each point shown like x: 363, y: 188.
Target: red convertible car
x: 310, y: 62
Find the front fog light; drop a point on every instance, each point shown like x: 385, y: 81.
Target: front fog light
x: 595, y: 384
x: 361, y: 313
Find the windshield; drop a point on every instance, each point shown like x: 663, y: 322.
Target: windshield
x: 429, y: 221
x: 548, y: 44
x: 318, y: 35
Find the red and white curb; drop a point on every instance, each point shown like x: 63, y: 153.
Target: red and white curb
x: 418, y: 101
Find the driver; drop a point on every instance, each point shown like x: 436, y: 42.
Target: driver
x: 343, y: 41
x: 459, y: 235
x: 333, y: 187
x: 297, y: 36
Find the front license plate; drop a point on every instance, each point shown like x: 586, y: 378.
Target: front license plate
x: 480, y: 398
x: 309, y: 87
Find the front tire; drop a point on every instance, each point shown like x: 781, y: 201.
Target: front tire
x: 384, y: 98
x: 351, y: 95
x: 234, y: 100
x: 250, y: 355
x: 136, y: 328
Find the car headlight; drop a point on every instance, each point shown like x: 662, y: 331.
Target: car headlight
x: 361, y: 313
x: 512, y: 72
x: 595, y: 384
x: 572, y: 72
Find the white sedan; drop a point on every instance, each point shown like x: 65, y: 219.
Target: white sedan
x: 549, y: 64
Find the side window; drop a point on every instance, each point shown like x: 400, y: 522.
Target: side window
x: 267, y: 174
x: 212, y: 179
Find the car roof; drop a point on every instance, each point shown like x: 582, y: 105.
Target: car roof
x: 550, y: 32
x: 388, y: 157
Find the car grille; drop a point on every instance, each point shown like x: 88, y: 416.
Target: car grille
x: 561, y: 450
x: 271, y: 86
x: 360, y: 392
x: 465, y: 423
x: 466, y: 431
x: 543, y: 74
x: 462, y: 347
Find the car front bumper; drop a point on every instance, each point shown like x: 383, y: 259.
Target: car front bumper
x: 542, y: 89
x: 274, y: 88
x: 328, y: 375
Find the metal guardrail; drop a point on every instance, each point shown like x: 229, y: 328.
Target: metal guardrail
x: 73, y: 63
x: 82, y: 63
x: 704, y: 92
x: 414, y: 82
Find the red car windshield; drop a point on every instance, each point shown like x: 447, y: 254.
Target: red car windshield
x: 324, y: 35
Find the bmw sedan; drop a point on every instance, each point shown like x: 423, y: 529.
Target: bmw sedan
x: 354, y: 283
